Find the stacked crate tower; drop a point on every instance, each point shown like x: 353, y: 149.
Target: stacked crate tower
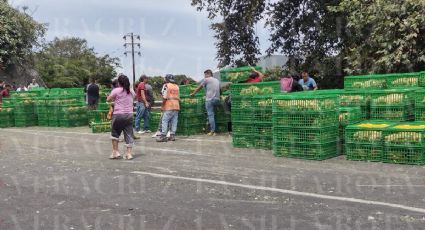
x: 66, y: 108
x: 192, y: 115
x: 24, y: 108
x: 252, y: 106
x: 305, y: 126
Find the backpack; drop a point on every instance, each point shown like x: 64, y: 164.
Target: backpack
x: 286, y: 84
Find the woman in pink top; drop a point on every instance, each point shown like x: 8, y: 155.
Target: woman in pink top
x: 122, y: 118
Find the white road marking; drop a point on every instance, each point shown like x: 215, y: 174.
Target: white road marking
x: 285, y: 191
x: 391, y: 185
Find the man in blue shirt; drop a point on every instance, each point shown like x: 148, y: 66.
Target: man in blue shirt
x: 307, y: 82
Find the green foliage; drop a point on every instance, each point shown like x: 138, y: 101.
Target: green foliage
x: 19, y: 34
x: 70, y: 62
x: 157, y: 82
x: 385, y: 36
x: 273, y: 74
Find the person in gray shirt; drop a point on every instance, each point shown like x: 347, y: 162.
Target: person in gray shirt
x: 212, y: 99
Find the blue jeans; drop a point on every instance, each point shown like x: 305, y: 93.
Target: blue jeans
x: 210, y: 105
x: 167, y: 116
x: 142, y: 112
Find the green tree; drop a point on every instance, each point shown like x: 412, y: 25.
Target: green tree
x: 19, y: 34
x: 69, y: 62
x: 385, y: 36
x: 234, y: 27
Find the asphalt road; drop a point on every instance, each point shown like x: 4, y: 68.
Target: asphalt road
x: 62, y: 179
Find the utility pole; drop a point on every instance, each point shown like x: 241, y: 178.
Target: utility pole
x: 132, y: 43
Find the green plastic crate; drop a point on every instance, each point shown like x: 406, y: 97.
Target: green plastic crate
x: 22, y: 122
x: 243, y: 141
x: 97, y: 116
x: 422, y: 79
x: 263, y: 142
x: 305, y: 135
x: 404, y: 155
x: 392, y: 97
x: 236, y: 75
x: 403, y: 80
x: 308, y: 102
x: 262, y: 115
x: 242, y: 116
x: 193, y: 129
x: 188, y: 89
x: 409, y: 134
x: 419, y: 96
x: 242, y: 128
x: 305, y: 119
x: 262, y: 129
x: 354, y: 98
x: 101, y: 127
x: 392, y: 113
x: 305, y: 151
x: 364, y: 152
x: 255, y: 89
x: 365, y: 82
x: 420, y: 113
x: 73, y: 122
x: 350, y: 115
x: 367, y: 132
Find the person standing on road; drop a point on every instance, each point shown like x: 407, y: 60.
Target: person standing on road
x: 122, y: 118
x: 170, y: 108
x: 212, y: 88
x: 92, y: 91
x: 142, y: 106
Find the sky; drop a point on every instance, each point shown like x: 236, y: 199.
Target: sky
x: 175, y: 38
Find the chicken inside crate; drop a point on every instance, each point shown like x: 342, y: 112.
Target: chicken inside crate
x: 253, y: 89
x: 403, y: 80
x: 305, y: 102
x: 404, y: 143
x: 367, y: 132
x: 365, y: 82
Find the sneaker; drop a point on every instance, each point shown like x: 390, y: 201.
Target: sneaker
x: 161, y: 138
x: 157, y: 134
x: 172, y: 137
x: 136, y: 137
x: 147, y: 131
x: 140, y: 132
x: 168, y: 134
x: 211, y: 133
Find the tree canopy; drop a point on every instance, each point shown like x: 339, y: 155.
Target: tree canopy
x: 69, y: 62
x: 19, y: 34
x: 332, y: 37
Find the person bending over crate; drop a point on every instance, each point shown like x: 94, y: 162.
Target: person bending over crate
x: 212, y: 99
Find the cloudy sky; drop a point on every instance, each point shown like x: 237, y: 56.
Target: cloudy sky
x: 175, y: 37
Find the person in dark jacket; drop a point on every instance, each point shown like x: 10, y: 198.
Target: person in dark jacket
x: 92, y: 91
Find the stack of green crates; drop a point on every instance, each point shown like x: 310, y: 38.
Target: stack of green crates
x: 7, y: 118
x: 252, y: 114
x: 42, y: 111
x: 237, y: 75
x: 192, y: 116
x: 364, y: 141
x: 420, y: 105
x: 305, y: 126
x: 392, y: 104
x: 347, y: 116
x: 67, y: 110
x: 404, y: 143
x: 23, y: 104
